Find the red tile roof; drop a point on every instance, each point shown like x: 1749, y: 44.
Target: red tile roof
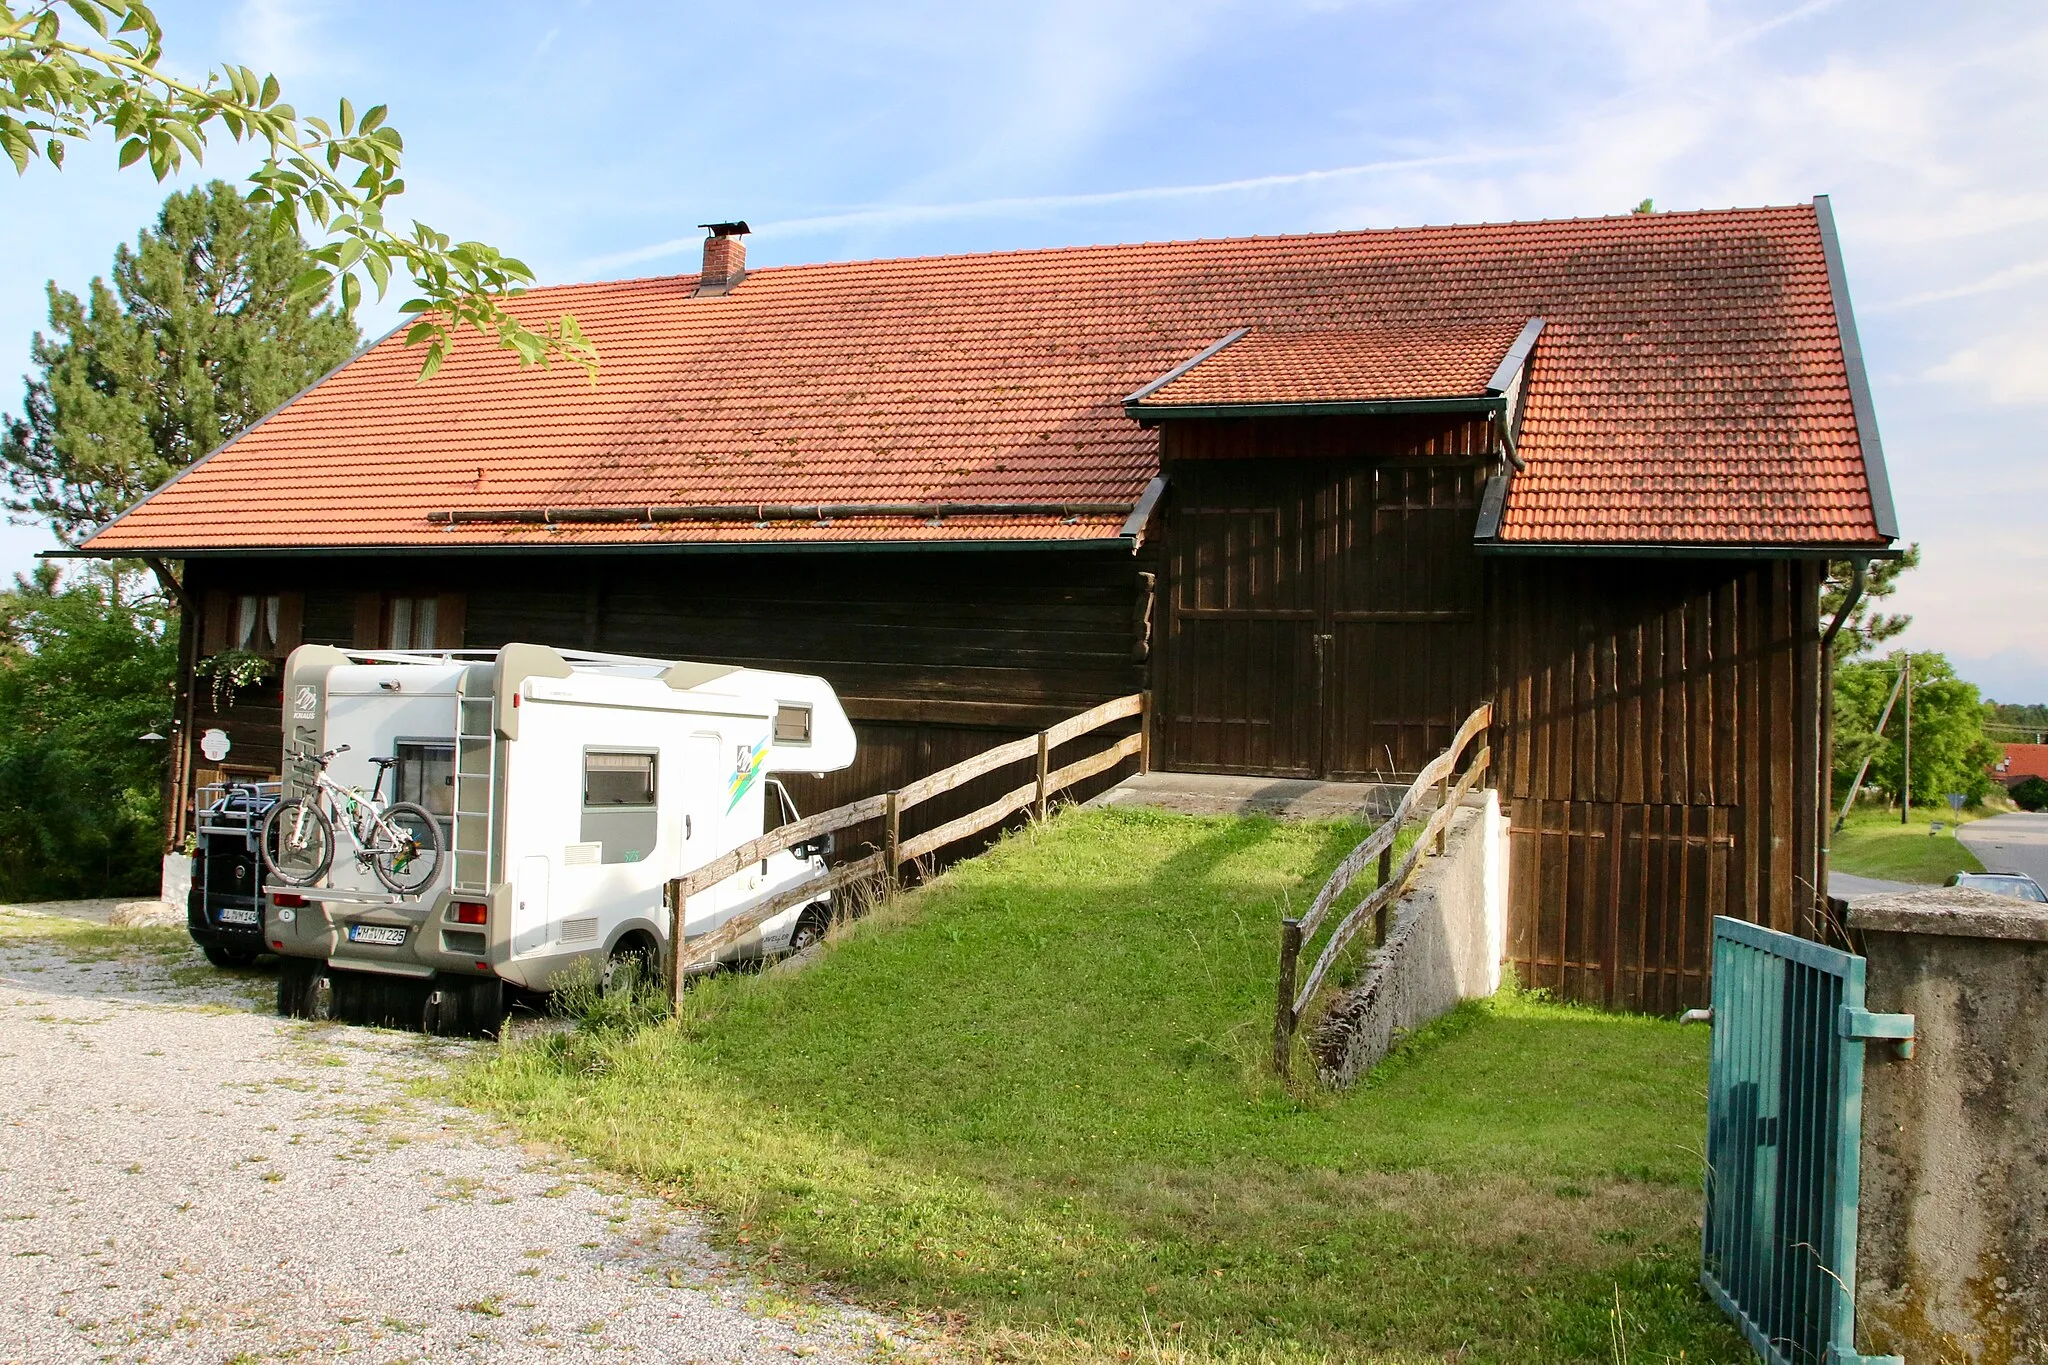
x: 2022, y: 761
x: 1690, y: 387
x: 1448, y: 360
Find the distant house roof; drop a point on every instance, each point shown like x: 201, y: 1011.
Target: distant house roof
x: 1690, y: 387
x: 2022, y: 761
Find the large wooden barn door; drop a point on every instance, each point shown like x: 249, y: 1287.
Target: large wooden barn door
x: 1239, y: 673
x: 1323, y: 615
x: 1402, y: 599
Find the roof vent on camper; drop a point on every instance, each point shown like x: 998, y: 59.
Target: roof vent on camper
x: 725, y: 258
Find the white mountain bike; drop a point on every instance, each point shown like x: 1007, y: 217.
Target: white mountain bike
x: 401, y: 843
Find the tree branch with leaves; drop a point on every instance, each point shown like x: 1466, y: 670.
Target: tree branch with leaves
x: 331, y: 180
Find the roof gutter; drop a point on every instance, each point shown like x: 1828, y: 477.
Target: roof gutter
x: 1649, y: 550
x: 1383, y: 407
x: 765, y: 513
x: 626, y: 547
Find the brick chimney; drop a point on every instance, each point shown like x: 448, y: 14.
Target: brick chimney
x: 725, y: 258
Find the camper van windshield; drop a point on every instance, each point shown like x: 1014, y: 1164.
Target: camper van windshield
x: 615, y: 779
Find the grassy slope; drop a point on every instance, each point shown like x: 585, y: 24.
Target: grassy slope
x: 1875, y: 844
x: 1032, y: 1097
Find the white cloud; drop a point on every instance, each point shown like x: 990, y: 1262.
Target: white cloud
x: 2007, y: 369
x: 277, y: 36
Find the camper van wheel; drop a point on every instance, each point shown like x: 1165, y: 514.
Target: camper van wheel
x: 486, y: 1006
x: 632, y: 964
x: 810, y: 929
x: 464, y: 1007
x: 225, y: 957
x: 298, y: 988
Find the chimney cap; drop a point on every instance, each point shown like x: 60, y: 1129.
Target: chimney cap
x: 738, y: 229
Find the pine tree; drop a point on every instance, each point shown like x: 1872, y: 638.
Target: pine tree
x: 1867, y: 627
x: 197, y: 337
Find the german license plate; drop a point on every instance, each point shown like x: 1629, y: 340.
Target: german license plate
x: 239, y: 914
x: 390, y: 935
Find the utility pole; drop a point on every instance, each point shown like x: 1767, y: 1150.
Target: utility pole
x: 1906, y: 780
x: 1863, y: 769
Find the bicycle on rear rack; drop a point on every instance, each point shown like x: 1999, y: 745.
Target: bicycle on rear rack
x: 401, y: 843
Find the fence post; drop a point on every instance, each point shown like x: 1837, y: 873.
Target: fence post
x: 1381, y: 916
x: 892, y: 837
x: 1283, y: 1015
x: 1443, y: 799
x: 671, y: 892
x: 1044, y: 770
x: 1145, y: 731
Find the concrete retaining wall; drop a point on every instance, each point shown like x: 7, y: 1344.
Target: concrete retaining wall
x: 1952, y: 1230
x: 1445, y: 945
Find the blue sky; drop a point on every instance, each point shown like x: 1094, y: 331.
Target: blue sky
x: 590, y: 138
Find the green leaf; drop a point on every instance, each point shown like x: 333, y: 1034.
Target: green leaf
x: 419, y: 331
x: 379, y: 270
x: 311, y: 283
x: 351, y: 293
x: 348, y: 115
x: 373, y: 119
x: 432, y: 364
x: 270, y: 92
x: 90, y: 13
x: 55, y: 150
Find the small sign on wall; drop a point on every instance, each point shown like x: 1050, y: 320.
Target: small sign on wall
x: 214, y: 744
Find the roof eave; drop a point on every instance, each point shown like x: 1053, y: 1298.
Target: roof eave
x: 1378, y: 407
x: 1115, y: 540
x: 1681, y: 550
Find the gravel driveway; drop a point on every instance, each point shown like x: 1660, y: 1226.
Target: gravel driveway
x: 184, y: 1178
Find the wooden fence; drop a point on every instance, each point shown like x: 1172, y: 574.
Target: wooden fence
x: 886, y: 863
x: 1392, y: 880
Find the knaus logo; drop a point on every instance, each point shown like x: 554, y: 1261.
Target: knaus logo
x: 305, y: 702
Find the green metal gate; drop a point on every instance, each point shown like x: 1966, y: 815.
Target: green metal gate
x: 1784, y: 1124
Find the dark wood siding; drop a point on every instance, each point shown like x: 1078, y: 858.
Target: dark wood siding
x: 936, y: 655
x: 1657, y: 729
x: 1324, y: 602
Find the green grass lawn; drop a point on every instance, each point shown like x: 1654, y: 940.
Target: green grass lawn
x: 1875, y: 844
x: 1030, y: 1102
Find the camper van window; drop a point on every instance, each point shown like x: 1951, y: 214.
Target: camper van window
x: 792, y: 724
x: 426, y: 775
x: 615, y: 779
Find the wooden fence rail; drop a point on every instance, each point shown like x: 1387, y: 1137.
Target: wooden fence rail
x: 1294, y: 999
x: 887, y: 863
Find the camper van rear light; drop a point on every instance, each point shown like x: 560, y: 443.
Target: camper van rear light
x: 286, y: 898
x: 469, y: 912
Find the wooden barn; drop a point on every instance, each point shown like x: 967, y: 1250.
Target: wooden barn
x: 1318, y: 494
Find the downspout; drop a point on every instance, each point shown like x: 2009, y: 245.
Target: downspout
x: 1858, y: 576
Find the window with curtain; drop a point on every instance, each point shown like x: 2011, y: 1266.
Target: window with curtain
x: 411, y: 623
x: 256, y: 623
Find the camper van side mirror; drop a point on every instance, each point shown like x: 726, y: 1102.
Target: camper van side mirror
x: 820, y: 847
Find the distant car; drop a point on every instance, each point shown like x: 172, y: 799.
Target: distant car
x: 2013, y: 884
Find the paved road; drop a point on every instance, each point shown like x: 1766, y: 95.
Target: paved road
x: 185, y: 1179
x: 1851, y: 887
x: 2011, y: 843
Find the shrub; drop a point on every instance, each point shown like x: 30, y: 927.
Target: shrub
x: 2031, y: 794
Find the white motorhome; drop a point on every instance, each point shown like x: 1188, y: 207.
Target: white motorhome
x: 570, y: 788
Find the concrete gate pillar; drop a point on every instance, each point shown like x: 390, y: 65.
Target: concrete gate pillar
x: 1952, y: 1244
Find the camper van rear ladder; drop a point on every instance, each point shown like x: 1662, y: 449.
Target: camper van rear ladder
x: 476, y: 788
